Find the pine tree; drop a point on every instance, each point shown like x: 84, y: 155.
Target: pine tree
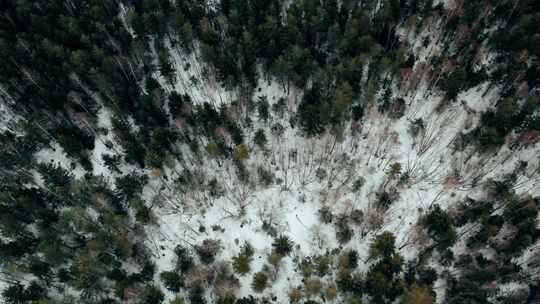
x: 282, y: 245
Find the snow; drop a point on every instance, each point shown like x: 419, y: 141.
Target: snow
x: 293, y: 218
x: 56, y: 155
x: 192, y: 79
x: 8, y: 119
x: 292, y: 207
x: 3, y: 285
x: 104, y: 122
x: 475, y: 100
x: 382, y: 141
x: 4, y: 117
x: 437, y: 175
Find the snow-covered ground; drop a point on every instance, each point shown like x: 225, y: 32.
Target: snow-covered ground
x: 312, y: 173
x: 366, y: 150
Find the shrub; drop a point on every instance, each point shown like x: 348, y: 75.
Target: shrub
x: 398, y: 108
x: 295, y: 295
x: 241, y: 262
x: 17, y: 293
x: 143, y: 214
x: 348, y: 260
x: 151, y: 295
x: 439, y: 226
x: 349, y: 282
x: 358, y: 184
x: 471, y: 211
x: 447, y: 256
x: 427, y: 276
x: 343, y: 232
x: 260, y: 138
x: 322, y: 262
x: 382, y: 288
x: 177, y: 300
x: 320, y: 173
x: 260, y: 280
x: 354, y: 300
x: 416, y: 126
x: 208, y: 250
x: 375, y: 219
x: 274, y: 259
x: 418, y: 295
x: 383, y: 282
x: 196, y: 295
x: 262, y: 108
x: 215, y: 189
x: 331, y: 292
x: 265, y: 176
x: 519, y: 210
x: 172, y: 280
x: 245, y: 300
x: 325, y: 215
x: 226, y: 300
x: 306, y: 267
x: 465, y: 291
x: 198, y: 275
x: 184, y: 260
x: 313, y: 286
x: 357, y: 216
x: 501, y: 189
x: 226, y: 285
x: 346, y: 282
x: 148, y: 270
x: 241, y: 152
x: 130, y: 186
x: 386, y: 198
x: 382, y: 246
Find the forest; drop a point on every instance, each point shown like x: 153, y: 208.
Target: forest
x: 270, y: 151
